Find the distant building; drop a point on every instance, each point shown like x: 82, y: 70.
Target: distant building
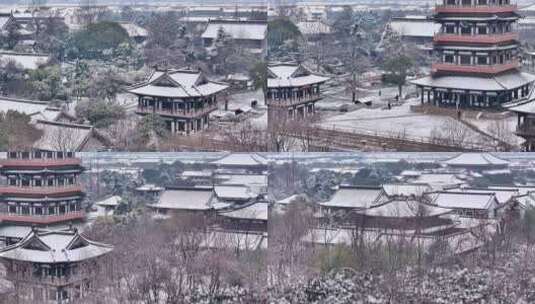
x: 250, y: 35
x: 241, y: 163
x: 37, y: 110
x: 415, y: 29
x: 150, y: 190
x: 183, y: 98
x: 479, y: 205
x: 196, y: 177
x: 53, y: 266
x: 525, y: 127
x: 69, y: 137
x: 292, y: 91
x: 477, y: 50
x: 135, y: 32
x: 476, y: 161
x: 249, y: 217
x: 187, y: 201
x: 348, y: 199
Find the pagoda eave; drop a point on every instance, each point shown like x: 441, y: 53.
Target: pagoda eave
x: 477, y: 39
x: 474, y: 69
x: 478, y: 9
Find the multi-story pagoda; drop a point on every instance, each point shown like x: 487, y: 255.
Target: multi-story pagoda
x: 291, y: 91
x: 476, y: 52
x: 42, y: 188
x: 53, y: 266
x: 183, y: 98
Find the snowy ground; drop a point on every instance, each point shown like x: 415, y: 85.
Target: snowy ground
x: 242, y: 101
x: 336, y: 97
x: 399, y: 121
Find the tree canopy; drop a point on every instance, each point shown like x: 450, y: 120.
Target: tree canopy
x: 97, y: 40
x: 281, y: 30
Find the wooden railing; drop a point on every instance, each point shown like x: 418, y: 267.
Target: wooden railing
x: 41, y: 191
x: 478, y: 69
x: 487, y: 9
x: 491, y: 38
x: 43, y: 219
x: 292, y: 101
x: 178, y: 113
x: 37, y: 162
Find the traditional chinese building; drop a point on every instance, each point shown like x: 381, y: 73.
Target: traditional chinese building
x: 53, y: 266
x: 42, y: 188
x: 525, y: 127
x: 476, y: 53
x: 183, y: 98
x: 248, y: 34
x: 292, y: 91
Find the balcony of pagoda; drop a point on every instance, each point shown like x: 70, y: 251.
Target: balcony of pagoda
x: 178, y: 113
x: 43, y: 219
x: 290, y: 102
x: 39, y: 163
x: 41, y: 191
x: 474, y: 69
x: 475, y: 9
x: 483, y: 39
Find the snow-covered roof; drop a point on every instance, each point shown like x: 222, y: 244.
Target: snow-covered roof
x: 243, y: 179
x: 256, y: 211
x: 497, y: 83
x: 196, y: 173
x: 463, y: 200
x: 291, y: 75
x: 475, y: 159
x: 241, y: 159
x: 112, y: 201
x: 60, y: 246
x: 415, y: 27
x: 234, y: 192
x: 438, y: 180
x: 22, y: 106
x: 15, y: 231
x: 242, y: 30
x: 62, y: 136
x: 522, y: 190
x: 525, y: 107
x: 502, y: 195
x: 27, y: 61
x: 355, y: 197
x: 406, y: 189
x: 405, y: 209
x: 195, y: 198
x: 177, y: 84
x: 134, y: 30
x: 149, y: 187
